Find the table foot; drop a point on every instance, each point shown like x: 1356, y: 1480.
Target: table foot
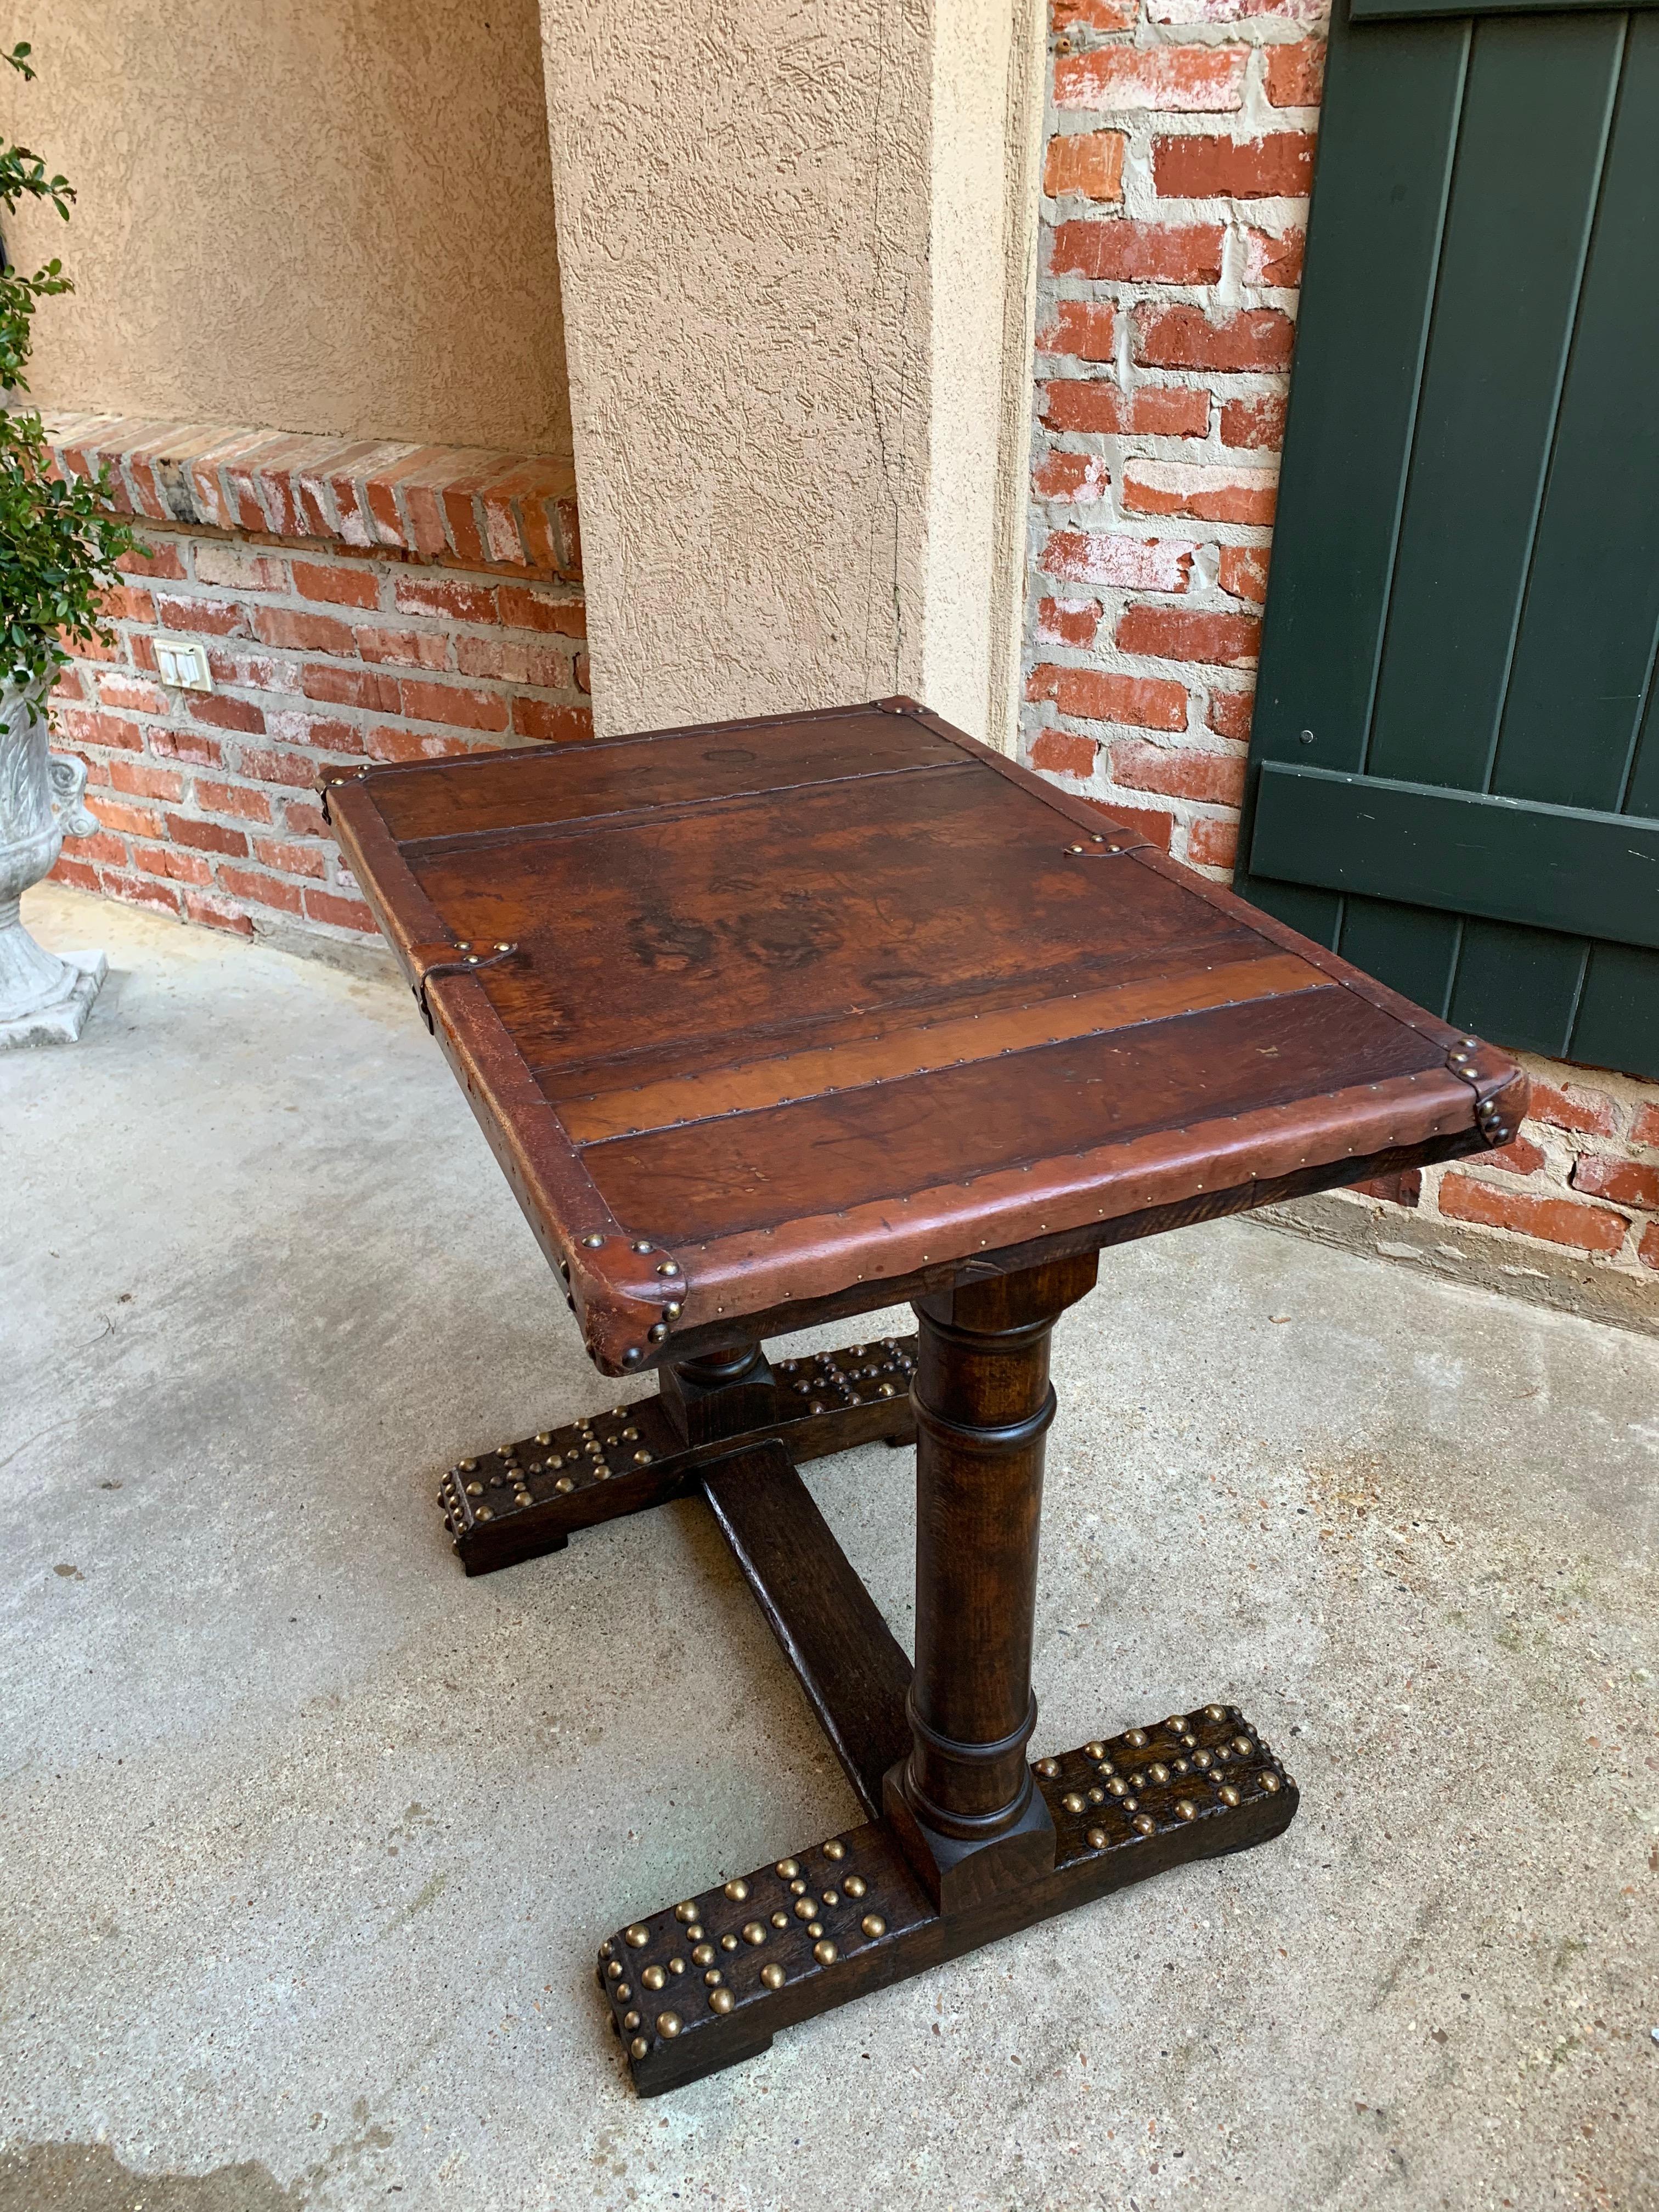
x: 529, y: 1496
x: 709, y: 1982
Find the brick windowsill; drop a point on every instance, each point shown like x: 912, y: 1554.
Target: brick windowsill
x: 446, y: 505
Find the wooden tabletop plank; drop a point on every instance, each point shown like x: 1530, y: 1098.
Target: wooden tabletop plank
x: 492, y: 792
x: 828, y: 1153
x: 917, y: 1048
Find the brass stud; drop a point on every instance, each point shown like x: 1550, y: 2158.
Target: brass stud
x: 714, y: 1978
x: 831, y: 1898
x: 1158, y: 1770
x: 804, y: 1908
x: 668, y: 2025
x: 467, y: 1466
x: 564, y: 1483
x: 1096, y: 1839
x: 736, y: 1891
x: 853, y: 1885
x: 658, y: 1332
x: 638, y: 1936
x: 614, y: 1969
x: 694, y: 1933
x: 1229, y: 1794
x: 630, y: 1436
x: 667, y: 1268
x: 1118, y: 1786
x: 704, y: 1955
x: 654, y: 1978
x: 1185, y: 1809
x: 779, y: 1919
x: 1181, y: 1766
x: 815, y: 1927
x: 1094, y: 1751
x: 639, y: 2046
x: 728, y: 1942
x: 720, y: 2000
x: 1176, y: 1724
x: 1269, y: 1783
x: 622, y: 1993
x: 522, y: 1498
x: 1144, y: 1823
x: 787, y: 1870
x: 485, y: 1514
x: 607, y: 1950
x: 641, y: 1459
x: 772, y: 1976
x: 754, y: 1932
x: 1096, y: 1796
x: 1242, y: 1746
x: 676, y: 1965
x: 1072, y: 1802
x: 1202, y: 1759
x: 873, y: 1924
x: 672, y: 1311
x: 630, y: 2021
x: 686, y: 1911
x: 1047, y: 1768
x: 475, y: 1489
x: 593, y: 1242
x: 1136, y: 1736
x: 641, y: 1248
x: 544, y: 1436
x: 834, y: 1849
x: 824, y: 1953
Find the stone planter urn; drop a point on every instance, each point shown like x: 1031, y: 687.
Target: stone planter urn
x: 44, y: 998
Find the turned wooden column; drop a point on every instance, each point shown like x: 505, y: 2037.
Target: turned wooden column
x: 964, y: 1803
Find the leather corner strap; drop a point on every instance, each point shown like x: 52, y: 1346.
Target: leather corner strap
x: 1502, y: 1092
x: 627, y: 1293
x: 466, y: 958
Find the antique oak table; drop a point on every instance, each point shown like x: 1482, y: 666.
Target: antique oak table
x: 774, y: 1021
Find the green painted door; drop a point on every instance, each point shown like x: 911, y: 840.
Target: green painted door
x: 1454, y: 766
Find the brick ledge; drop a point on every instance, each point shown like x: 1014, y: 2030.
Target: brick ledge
x: 435, y: 503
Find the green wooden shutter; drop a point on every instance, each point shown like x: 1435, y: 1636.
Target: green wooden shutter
x: 1454, y: 766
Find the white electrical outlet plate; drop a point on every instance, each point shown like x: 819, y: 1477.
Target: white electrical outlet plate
x: 183, y: 664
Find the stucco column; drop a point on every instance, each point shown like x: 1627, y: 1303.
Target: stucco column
x: 795, y: 244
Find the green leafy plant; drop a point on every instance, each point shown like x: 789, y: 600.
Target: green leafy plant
x: 59, y: 542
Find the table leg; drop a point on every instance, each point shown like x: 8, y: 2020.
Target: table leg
x: 963, y: 1804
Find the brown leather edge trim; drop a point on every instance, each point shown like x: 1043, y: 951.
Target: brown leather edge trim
x: 964, y: 1225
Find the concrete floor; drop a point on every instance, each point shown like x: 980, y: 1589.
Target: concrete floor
x: 309, y: 1840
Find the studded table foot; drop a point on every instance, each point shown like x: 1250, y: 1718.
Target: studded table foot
x: 709, y: 1982
x: 531, y: 1496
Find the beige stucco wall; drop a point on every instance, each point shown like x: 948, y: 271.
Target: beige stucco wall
x: 317, y: 215
x: 787, y: 433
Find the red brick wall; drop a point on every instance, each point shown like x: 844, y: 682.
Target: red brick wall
x: 385, y: 603
x: 1179, y: 147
